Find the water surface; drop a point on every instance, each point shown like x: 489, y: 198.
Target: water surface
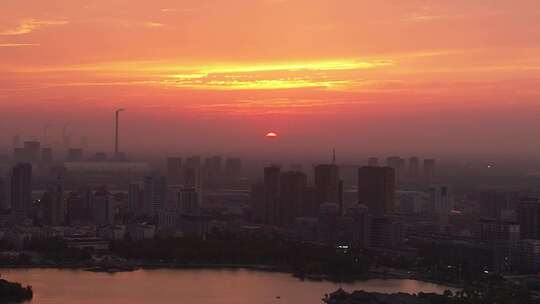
x: 55, y: 286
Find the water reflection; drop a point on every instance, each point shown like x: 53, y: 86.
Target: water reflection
x: 190, y: 286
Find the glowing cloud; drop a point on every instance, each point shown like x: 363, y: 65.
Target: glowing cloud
x: 17, y: 44
x: 329, y: 74
x: 29, y: 25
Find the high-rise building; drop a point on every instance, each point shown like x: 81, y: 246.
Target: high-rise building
x: 414, y: 168
x: 292, y: 196
x: 272, y: 193
x: 376, y: 189
x: 21, y: 188
x: 529, y: 218
x: 327, y: 183
x: 193, y: 161
x: 529, y: 255
x: 46, y: 156
x: 413, y: 202
x: 103, y: 209
x: 442, y: 200
x: 429, y: 171
x: 212, y: 171
x: 493, y: 203
x: 75, y: 155
x: 233, y: 168
x: 4, y: 204
x: 361, y: 225
x: 188, y: 201
x: 80, y: 206
x: 155, y: 194
x: 192, y: 178
x: 32, y: 151
x: 257, y: 198
x: 493, y: 230
x: 19, y: 155
x: 53, y: 207
x: 174, y: 170
x: 135, y: 198
x: 385, y: 232
x: 398, y: 164
x: 328, y: 222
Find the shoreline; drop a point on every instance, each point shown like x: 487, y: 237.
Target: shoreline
x: 370, y: 275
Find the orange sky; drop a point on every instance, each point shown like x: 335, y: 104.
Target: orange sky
x: 412, y: 76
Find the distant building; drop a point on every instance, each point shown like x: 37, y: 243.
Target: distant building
x: 492, y: 230
x: 32, y: 151
x: 193, y: 178
x: 154, y: 194
x: 193, y: 161
x: 141, y: 231
x: 494, y: 203
x: 75, y: 155
x: 135, y: 198
x: 4, y: 204
x: 292, y: 197
x: 529, y: 255
x: 19, y: 155
x: 46, y: 156
x: 174, y: 170
x: 442, y: 199
x: 398, y: 164
x: 21, y: 188
x: 80, y: 206
x: 414, y: 168
x: 327, y: 183
x: 529, y: 218
x: 386, y: 232
x: 103, y: 209
x: 413, y: 202
x: 329, y: 217
x: 53, y: 206
x: 233, y: 168
x: 212, y: 171
x: 188, y: 201
x: 376, y: 189
x: 429, y: 171
x: 361, y: 228
x: 306, y: 228
x: 272, y: 193
x: 257, y: 199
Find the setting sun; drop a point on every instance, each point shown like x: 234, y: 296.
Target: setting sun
x: 271, y: 135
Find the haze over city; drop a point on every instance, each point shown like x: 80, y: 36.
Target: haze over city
x: 270, y: 151
x: 428, y: 77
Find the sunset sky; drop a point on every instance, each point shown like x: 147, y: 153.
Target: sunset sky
x: 394, y: 76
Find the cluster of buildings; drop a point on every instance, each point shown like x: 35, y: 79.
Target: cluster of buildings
x: 323, y: 211
x: 395, y: 208
x: 400, y: 208
x: 118, y: 199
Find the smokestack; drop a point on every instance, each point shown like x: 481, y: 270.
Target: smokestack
x: 65, y: 136
x: 117, y: 113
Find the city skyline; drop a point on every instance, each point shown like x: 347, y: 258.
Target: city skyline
x: 269, y: 151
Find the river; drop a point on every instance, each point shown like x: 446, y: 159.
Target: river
x: 56, y: 286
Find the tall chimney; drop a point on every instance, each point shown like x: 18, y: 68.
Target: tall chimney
x: 117, y: 113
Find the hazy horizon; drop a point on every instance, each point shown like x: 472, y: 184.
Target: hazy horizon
x: 428, y: 78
